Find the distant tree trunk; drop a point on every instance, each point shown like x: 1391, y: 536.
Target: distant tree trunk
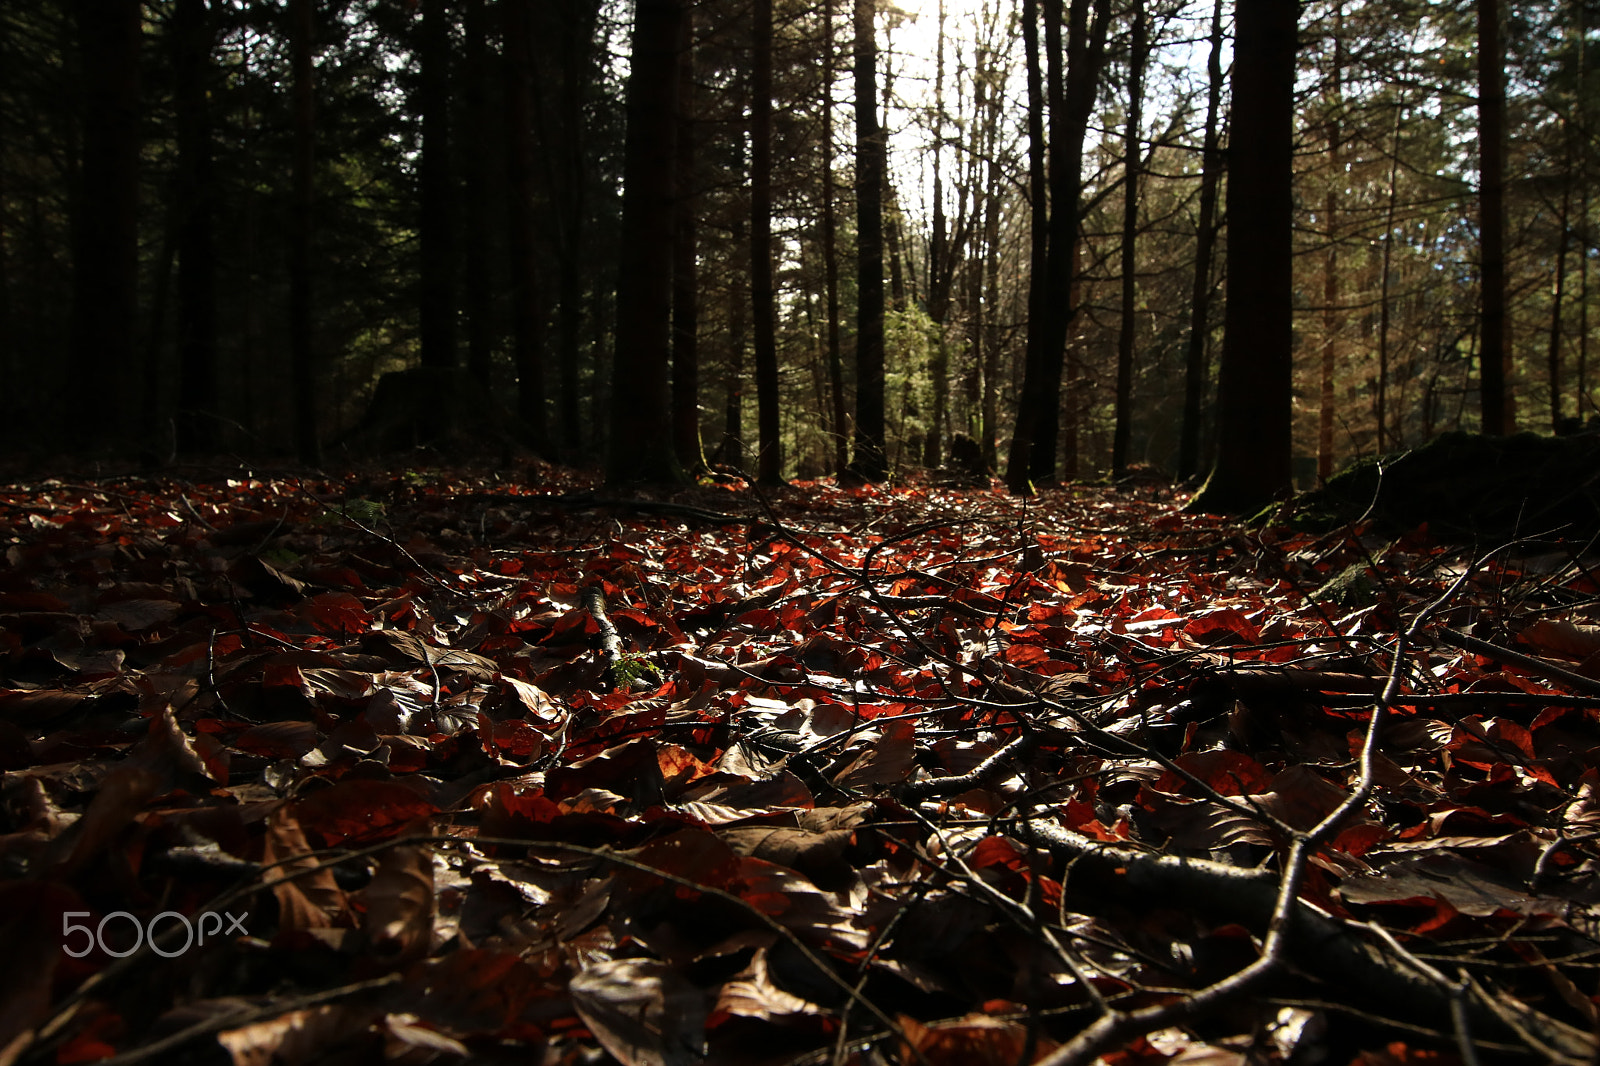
x: 436, y: 228
x: 193, y: 35
x: 1330, y: 261
x: 1494, y: 359
x: 941, y: 266
x: 475, y: 265
x: 1138, y: 54
x: 641, y: 425
x: 302, y: 355
x: 1381, y: 396
x: 763, y: 299
x: 577, y: 59
x: 106, y: 214
x: 522, y: 163
x: 1194, y: 384
x: 686, y: 273
x: 731, y: 450
x: 830, y: 257
x: 1556, y: 297
x: 1032, y: 460
x: 1255, y: 416
x: 989, y: 307
x: 871, y: 462
x: 1017, y: 476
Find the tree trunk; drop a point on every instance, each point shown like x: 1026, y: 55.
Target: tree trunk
x: 193, y: 35
x: 1139, y: 53
x: 763, y: 298
x: 105, y: 219
x: 1194, y: 384
x: 522, y: 155
x: 1494, y: 359
x: 1554, y: 358
x: 941, y: 266
x: 871, y: 463
x: 1330, y: 261
x: 436, y: 228
x: 830, y: 257
x: 1018, y: 479
x: 475, y: 265
x: 641, y: 426
x: 577, y: 60
x: 302, y: 355
x: 989, y: 334
x: 686, y: 273
x: 1255, y: 416
x: 1381, y: 397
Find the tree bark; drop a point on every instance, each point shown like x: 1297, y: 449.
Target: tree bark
x: 1255, y: 415
x: 302, y: 354
x: 941, y: 266
x: 871, y: 462
x: 686, y: 273
x: 436, y: 228
x: 522, y: 154
x: 1494, y: 349
x: 1194, y: 386
x: 1330, y: 261
x: 641, y: 426
x: 763, y: 298
x: 1138, y: 54
x: 830, y: 256
x: 193, y: 35
x: 475, y: 188
x: 105, y: 218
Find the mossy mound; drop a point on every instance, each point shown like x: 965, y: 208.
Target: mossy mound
x: 1466, y: 486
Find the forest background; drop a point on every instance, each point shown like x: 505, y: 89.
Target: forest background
x: 671, y: 231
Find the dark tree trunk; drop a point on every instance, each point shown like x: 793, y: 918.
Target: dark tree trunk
x: 475, y: 264
x: 871, y: 462
x: 1494, y: 350
x: 1553, y: 360
x: 941, y: 267
x: 1071, y: 93
x: 527, y: 307
x: 193, y: 34
x: 830, y: 257
x: 302, y: 355
x: 686, y: 274
x: 437, y: 305
x: 1254, y: 391
x: 763, y: 301
x: 641, y: 424
x: 1194, y: 378
x: 1330, y: 262
x: 1034, y: 366
x: 577, y: 36
x: 106, y: 215
x: 1139, y: 53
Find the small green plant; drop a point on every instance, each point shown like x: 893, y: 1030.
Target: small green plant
x: 632, y: 666
x: 280, y: 557
x: 364, y: 512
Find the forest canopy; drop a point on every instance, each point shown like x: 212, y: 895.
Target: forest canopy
x: 1025, y: 238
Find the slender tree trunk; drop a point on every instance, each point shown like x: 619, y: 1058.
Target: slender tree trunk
x: 641, y: 425
x: 686, y: 273
x: 302, y: 354
x: 437, y: 305
x: 1330, y: 262
x: 1139, y: 53
x: 1194, y: 378
x: 1255, y: 394
x: 527, y: 308
x: 106, y: 215
x: 1018, y: 479
x: 1554, y: 359
x: 763, y: 297
x: 1381, y: 400
x: 830, y: 256
x: 1071, y: 93
x: 731, y: 450
x: 475, y: 265
x: 1494, y: 360
x: 989, y: 334
x: 941, y: 266
x: 193, y: 36
x: 871, y: 463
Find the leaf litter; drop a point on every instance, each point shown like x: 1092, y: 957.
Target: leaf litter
x: 507, y: 770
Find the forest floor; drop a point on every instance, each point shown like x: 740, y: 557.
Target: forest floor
x: 442, y: 765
